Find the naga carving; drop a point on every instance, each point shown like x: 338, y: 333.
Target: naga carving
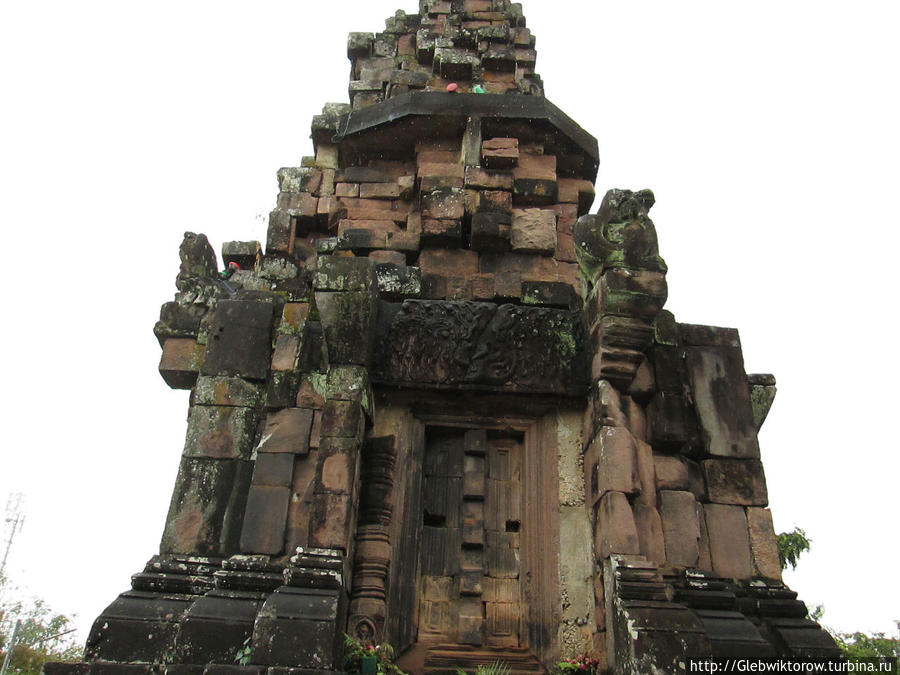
x: 618, y: 253
x: 621, y: 234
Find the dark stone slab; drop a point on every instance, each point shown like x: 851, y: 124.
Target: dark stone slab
x: 265, y: 520
x: 207, y: 507
x: 448, y: 110
x: 215, y: 628
x: 137, y: 627
x: 240, y: 339
x: 300, y: 628
x: 66, y: 668
x: 347, y: 320
x: 722, y: 401
x: 803, y: 638
x: 481, y: 345
x: 732, y: 635
x: 273, y: 469
x: 736, y: 481
x: 550, y: 294
x: 287, y: 431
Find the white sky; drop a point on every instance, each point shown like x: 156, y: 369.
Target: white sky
x: 768, y: 131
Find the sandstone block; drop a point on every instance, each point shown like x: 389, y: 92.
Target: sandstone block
x: 180, y: 362
x: 444, y: 204
x: 334, y: 273
x: 646, y: 470
x: 441, y: 233
x: 342, y: 419
x: 500, y: 153
x: 533, y: 231
x: 273, y: 469
x: 287, y: 431
x: 331, y: 521
x: 347, y: 320
x: 681, y: 527
x: 228, y: 392
x: 293, y: 318
x: 448, y: 262
x: 611, y: 463
x: 239, y: 339
x: 671, y: 473
x: 265, y: 519
x: 379, y: 191
x: 490, y: 232
x: 532, y: 191
x: 243, y: 253
x: 220, y: 432
x: 287, y: 351
x: 549, y: 294
x: 338, y: 473
x: 650, y: 533
x: 722, y: 401
x: 360, y: 45
x: 763, y: 543
x: 615, y: 530
x: 735, y: 481
x: 729, y: 541
x: 488, y: 180
x: 201, y: 519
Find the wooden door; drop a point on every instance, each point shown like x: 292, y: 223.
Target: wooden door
x: 469, y: 587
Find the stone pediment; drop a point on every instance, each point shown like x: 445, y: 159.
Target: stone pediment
x: 481, y: 345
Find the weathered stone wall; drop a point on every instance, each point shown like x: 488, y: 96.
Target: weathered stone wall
x: 432, y: 282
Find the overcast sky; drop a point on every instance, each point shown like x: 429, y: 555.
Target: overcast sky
x: 768, y: 131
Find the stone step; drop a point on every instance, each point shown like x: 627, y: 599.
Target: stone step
x: 446, y: 659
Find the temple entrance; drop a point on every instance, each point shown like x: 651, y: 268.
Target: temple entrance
x: 469, y: 561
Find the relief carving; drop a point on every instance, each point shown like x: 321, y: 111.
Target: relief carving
x: 514, y: 347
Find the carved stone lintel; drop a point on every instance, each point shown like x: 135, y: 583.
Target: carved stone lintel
x: 515, y: 348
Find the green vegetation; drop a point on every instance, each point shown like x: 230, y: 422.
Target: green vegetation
x: 495, y: 668
x: 359, y: 657
x: 791, y: 545
x: 859, y: 645
x: 43, y: 635
x: 580, y: 665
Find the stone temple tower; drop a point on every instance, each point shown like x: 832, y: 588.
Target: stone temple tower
x: 445, y: 409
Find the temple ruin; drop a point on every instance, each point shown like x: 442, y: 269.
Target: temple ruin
x: 444, y: 407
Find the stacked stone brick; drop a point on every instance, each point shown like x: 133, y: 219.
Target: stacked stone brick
x: 432, y: 272
x: 482, y: 43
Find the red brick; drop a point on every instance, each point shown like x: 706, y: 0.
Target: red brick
x: 536, y: 167
x: 444, y: 205
x: 533, y: 231
x: 566, y: 215
x: 429, y: 157
x: 500, y: 153
x: 496, y: 200
x: 490, y: 180
x: 568, y: 273
x: 287, y: 350
x: 374, y: 214
x: 392, y: 257
x: 448, y: 262
x: 379, y: 191
x: 565, y: 248
x: 374, y: 226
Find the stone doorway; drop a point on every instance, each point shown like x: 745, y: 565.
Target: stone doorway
x: 469, y: 559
